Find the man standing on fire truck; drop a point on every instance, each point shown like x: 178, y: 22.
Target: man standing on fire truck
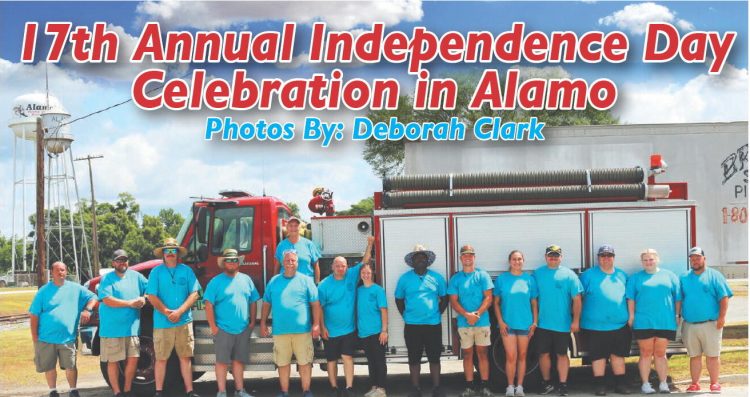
x: 172, y: 290
x: 307, y: 252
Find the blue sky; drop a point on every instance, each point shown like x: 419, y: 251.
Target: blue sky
x: 161, y: 158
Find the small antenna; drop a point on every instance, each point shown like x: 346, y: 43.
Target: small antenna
x: 46, y: 82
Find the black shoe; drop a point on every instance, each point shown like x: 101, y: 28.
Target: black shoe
x: 620, y: 389
x: 192, y: 393
x: 335, y: 392
x: 415, y: 392
x: 74, y: 393
x: 601, y: 390
x: 121, y: 394
x: 54, y: 393
x: 438, y: 391
x: 562, y: 390
x: 158, y: 394
x: 547, y: 388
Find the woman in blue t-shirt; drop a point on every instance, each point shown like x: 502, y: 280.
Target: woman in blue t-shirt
x: 654, y: 300
x: 516, y: 312
x: 372, y: 328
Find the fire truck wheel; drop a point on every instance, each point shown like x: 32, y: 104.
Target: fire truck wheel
x: 497, y: 363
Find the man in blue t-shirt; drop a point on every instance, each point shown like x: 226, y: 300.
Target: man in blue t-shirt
x: 292, y: 299
x: 53, y: 318
x: 559, y: 289
x: 470, y: 292
x: 172, y: 290
x: 421, y: 299
x: 121, y: 293
x: 307, y: 252
x: 604, y: 320
x: 705, y: 299
x: 337, y: 294
x: 230, y: 311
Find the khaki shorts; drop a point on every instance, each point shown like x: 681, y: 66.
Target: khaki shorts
x: 46, y: 355
x: 118, y: 349
x: 474, y: 336
x: 702, y: 338
x: 179, y: 338
x: 298, y: 344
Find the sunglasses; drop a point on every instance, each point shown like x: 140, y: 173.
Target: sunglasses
x: 170, y: 251
x: 121, y: 261
x: 607, y: 255
x: 553, y: 255
x: 231, y: 260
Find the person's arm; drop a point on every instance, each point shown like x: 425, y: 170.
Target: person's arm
x: 367, y: 255
x: 276, y: 267
x: 383, y: 338
x: 323, y: 328
x: 175, y: 315
x: 316, y: 269
x: 88, y: 309
x: 253, y: 314
x: 400, y: 306
x: 211, y: 318
x: 631, y: 312
x: 499, y: 316
x: 575, y: 325
x: 317, y: 313
x: 485, y: 303
x: 264, y: 311
x: 678, y: 312
x: 159, y: 305
x: 443, y: 303
x: 535, y: 316
x: 136, y: 303
x: 723, y: 306
x: 34, y: 326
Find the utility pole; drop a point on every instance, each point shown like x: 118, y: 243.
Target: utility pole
x: 41, y: 243
x: 88, y: 158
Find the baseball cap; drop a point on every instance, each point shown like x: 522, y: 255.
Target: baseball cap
x: 120, y: 253
x: 696, y: 251
x: 467, y: 249
x: 553, y: 249
x: 293, y: 219
x: 606, y: 249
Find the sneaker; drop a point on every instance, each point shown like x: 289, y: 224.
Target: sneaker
x: 282, y: 394
x: 415, y: 392
x: 510, y: 391
x: 693, y: 388
x: 158, y: 394
x: 221, y: 394
x: 335, y: 392
x: 468, y: 392
x: 242, y: 393
x: 485, y: 392
x: 192, y: 393
x: 621, y: 389
x: 347, y: 392
x: 519, y: 391
x: 74, y: 393
x: 307, y: 393
x: 601, y: 390
x: 664, y: 388
x: 646, y: 388
x: 54, y: 393
x: 372, y: 392
x: 562, y: 390
x: 120, y: 394
x: 715, y: 388
x: 547, y: 388
x: 438, y: 391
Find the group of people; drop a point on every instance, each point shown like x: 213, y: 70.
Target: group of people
x: 348, y: 310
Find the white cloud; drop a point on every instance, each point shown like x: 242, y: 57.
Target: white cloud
x: 338, y: 15
x: 704, y: 98
x: 636, y: 17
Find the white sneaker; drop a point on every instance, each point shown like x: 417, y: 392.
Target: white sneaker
x: 519, y: 391
x: 510, y: 391
x: 646, y: 388
x: 664, y: 388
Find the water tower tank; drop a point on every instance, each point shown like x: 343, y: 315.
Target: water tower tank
x: 26, y: 108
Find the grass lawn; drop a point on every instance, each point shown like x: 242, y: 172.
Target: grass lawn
x: 16, y: 303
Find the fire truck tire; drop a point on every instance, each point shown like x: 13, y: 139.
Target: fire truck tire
x: 144, y: 383
x: 498, y: 378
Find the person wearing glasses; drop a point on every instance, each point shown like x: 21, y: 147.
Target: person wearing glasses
x: 559, y: 291
x: 230, y: 311
x: 604, y: 319
x: 121, y: 293
x: 307, y: 252
x: 292, y: 300
x: 172, y: 290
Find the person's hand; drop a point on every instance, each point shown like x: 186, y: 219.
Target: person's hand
x: 678, y: 320
x: 575, y: 326
x: 503, y: 328
x: 324, y: 333
x: 471, y: 317
x: 251, y: 325
x: 174, y: 316
x: 214, y: 329
x: 85, y: 317
x: 316, y: 331
x: 383, y: 338
x: 138, y: 303
x: 630, y: 321
x: 264, y: 331
x: 370, y: 240
x: 532, y: 328
x: 720, y: 323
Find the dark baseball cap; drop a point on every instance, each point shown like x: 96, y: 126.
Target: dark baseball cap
x: 606, y: 249
x: 553, y: 249
x: 120, y: 253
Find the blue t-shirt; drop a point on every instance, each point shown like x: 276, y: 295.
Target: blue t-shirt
x: 516, y: 293
x: 701, y: 295
x: 369, y: 302
x: 172, y: 286
x: 119, y: 322
x: 557, y: 288
x: 290, y: 299
x: 59, y: 309
x: 337, y: 300
x: 605, y: 307
x: 654, y: 296
x: 307, y: 254
x: 421, y: 297
x: 470, y: 289
x: 231, y: 298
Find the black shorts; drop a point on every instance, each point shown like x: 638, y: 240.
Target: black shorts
x: 602, y: 344
x: 548, y: 341
x: 344, y: 344
x: 421, y: 338
x: 655, y: 333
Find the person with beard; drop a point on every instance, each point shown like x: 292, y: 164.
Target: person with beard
x: 230, y: 311
x: 705, y: 299
x: 172, y: 290
x: 421, y: 298
x: 121, y: 293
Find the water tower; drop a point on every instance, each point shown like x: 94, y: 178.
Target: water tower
x: 64, y: 227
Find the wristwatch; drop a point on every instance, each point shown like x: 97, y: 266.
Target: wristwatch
x: 86, y: 309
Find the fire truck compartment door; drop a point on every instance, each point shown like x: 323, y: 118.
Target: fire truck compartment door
x: 399, y: 236
x: 495, y: 235
x: 631, y: 231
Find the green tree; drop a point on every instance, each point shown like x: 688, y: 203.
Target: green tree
x: 387, y: 157
x: 363, y: 207
x: 294, y: 208
x: 172, y: 221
